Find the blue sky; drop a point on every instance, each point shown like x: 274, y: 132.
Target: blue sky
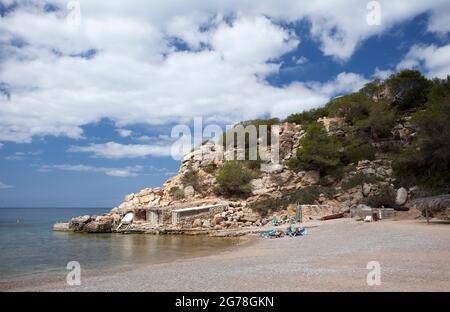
x: 87, y: 107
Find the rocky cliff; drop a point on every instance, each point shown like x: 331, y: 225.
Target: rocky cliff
x: 195, y: 185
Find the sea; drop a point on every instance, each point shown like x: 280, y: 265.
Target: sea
x: 30, y: 249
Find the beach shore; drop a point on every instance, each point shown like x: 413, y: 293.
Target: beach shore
x: 413, y: 256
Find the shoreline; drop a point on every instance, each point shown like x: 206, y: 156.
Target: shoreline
x: 57, y: 279
x: 413, y: 256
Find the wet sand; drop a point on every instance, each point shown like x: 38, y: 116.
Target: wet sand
x: 413, y: 255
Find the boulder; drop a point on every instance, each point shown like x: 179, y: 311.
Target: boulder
x: 312, y: 177
x: 62, y: 227
x: 218, y: 219
x: 402, y: 196
x: 197, y: 223
x: 272, y: 168
x: 189, y: 191
x: 103, y: 225
x: 206, y: 224
x: 366, y: 189
x: 146, y: 199
x: 77, y: 224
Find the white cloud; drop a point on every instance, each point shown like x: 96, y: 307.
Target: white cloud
x: 434, y: 60
x: 300, y: 60
x: 138, y: 76
x: 4, y: 186
x: 16, y: 156
x: 22, y: 155
x: 129, y: 171
x: 1, y: 145
x: 382, y: 74
x: 116, y: 150
x: 439, y: 21
x: 115, y: 172
x: 124, y: 132
x: 343, y: 83
x: 250, y: 41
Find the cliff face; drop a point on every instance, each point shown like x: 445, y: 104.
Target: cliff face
x: 274, y: 181
x: 274, y: 178
x: 195, y: 185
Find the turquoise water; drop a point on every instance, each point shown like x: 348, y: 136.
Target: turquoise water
x: 29, y: 247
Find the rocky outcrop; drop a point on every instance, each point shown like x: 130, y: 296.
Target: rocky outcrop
x: 77, y: 224
x: 196, y: 182
x: 89, y: 224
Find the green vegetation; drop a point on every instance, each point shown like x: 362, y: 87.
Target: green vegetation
x: 427, y: 161
x: 358, y: 180
x: 191, y: 178
x: 307, y: 117
x: 352, y: 107
x: 408, y: 89
x: 373, y: 89
x: 319, y: 151
x: 357, y: 151
x: 233, y: 179
x: 176, y: 193
x: 370, y: 115
x: 381, y: 120
x: 305, y: 196
x: 384, y: 197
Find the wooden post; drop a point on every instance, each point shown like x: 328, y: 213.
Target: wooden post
x: 298, y: 213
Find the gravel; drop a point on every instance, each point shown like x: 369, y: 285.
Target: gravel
x: 413, y: 255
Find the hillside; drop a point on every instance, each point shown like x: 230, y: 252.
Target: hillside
x: 382, y: 146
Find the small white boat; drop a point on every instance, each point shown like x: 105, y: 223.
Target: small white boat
x: 126, y: 220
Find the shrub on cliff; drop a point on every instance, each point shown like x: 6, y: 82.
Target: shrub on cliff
x: 427, y: 161
x: 358, y: 180
x: 233, y: 179
x: 408, y: 89
x: 381, y: 120
x: 307, y: 117
x: 352, y: 107
x: 358, y: 151
x: 319, y: 151
x: 176, y: 193
x: 385, y: 196
x: 191, y: 178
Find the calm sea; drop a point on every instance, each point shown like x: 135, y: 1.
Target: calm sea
x: 29, y: 247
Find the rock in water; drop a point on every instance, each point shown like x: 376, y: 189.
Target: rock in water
x: 102, y: 225
x: 402, y: 196
x: 77, y: 224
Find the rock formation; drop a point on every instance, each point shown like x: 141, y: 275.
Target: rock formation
x: 195, y: 185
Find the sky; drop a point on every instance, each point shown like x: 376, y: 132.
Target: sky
x: 91, y: 90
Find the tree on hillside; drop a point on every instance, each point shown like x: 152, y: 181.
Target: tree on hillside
x: 352, y: 107
x: 307, y: 117
x: 381, y: 120
x: 233, y: 179
x: 319, y: 151
x: 408, y: 89
x: 427, y: 162
x: 373, y: 89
